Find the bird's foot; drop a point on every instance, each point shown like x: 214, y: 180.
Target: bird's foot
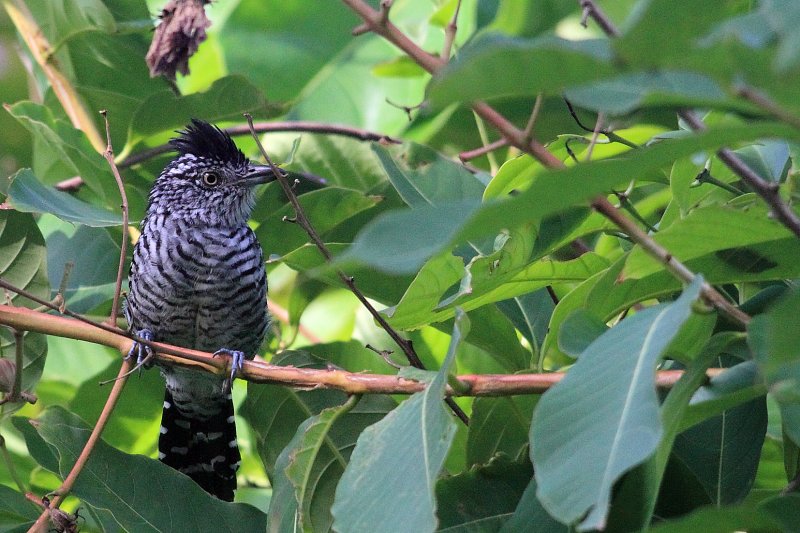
x: 144, y: 354
x: 237, y: 363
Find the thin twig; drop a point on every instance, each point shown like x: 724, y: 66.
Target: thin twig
x: 450, y: 33
x: 537, y: 106
x: 300, y: 378
x: 349, y: 282
x: 768, y: 190
x: 69, y: 184
x: 768, y: 104
x: 469, y: 155
x: 706, y: 177
x: 19, y: 350
x: 612, y: 137
x: 109, y: 155
x: 102, y: 421
x: 595, y: 134
x: 271, y: 127
x: 591, y: 9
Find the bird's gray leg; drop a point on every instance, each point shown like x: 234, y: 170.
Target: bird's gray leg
x: 237, y: 363
x: 144, y: 354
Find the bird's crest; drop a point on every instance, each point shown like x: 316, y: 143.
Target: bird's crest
x: 201, y: 139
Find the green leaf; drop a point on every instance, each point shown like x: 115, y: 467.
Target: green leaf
x: 499, y: 425
x: 61, y: 20
x: 529, y: 511
x: 487, y: 279
x: 310, y: 466
x: 774, y: 338
x: 526, y: 18
x: 95, y: 258
x: 22, y: 264
x: 628, y: 92
x: 773, y: 514
x: 578, y: 331
x: 400, y: 241
x: 325, y: 208
x: 481, y: 497
x: 275, y: 412
x: 769, y: 159
x: 723, y: 452
x: 398, y: 459
x: 69, y: 146
x: 493, y: 66
x: 578, y: 463
x: 26, y: 193
x: 227, y: 99
x: 735, y: 386
x: 287, y: 59
x: 423, y: 176
x: 725, y: 239
x: 17, y: 513
x: 140, y: 491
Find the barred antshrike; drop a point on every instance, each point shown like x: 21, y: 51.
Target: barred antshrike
x: 197, y: 280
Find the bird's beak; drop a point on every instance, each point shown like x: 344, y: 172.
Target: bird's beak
x: 260, y: 174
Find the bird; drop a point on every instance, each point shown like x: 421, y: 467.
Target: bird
x: 197, y: 280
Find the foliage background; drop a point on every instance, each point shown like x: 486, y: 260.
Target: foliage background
x: 462, y: 274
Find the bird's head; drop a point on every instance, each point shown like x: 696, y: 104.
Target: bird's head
x: 210, y: 181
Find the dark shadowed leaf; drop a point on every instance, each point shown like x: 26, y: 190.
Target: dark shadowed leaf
x: 140, y: 491
x: 17, y: 513
x: 499, y: 425
x: 483, y: 497
x: 530, y: 514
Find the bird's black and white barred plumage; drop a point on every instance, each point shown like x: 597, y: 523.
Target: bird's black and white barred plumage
x: 197, y: 280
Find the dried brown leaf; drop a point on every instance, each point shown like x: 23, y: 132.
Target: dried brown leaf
x: 178, y: 36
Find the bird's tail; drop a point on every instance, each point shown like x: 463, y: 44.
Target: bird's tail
x: 202, y: 447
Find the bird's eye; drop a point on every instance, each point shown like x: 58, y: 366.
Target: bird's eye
x: 210, y: 178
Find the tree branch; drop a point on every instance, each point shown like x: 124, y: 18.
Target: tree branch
x: 300, y: 378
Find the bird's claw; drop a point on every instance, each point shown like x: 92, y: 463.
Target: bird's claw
x: 237, y: 364
x: 144, y: 354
